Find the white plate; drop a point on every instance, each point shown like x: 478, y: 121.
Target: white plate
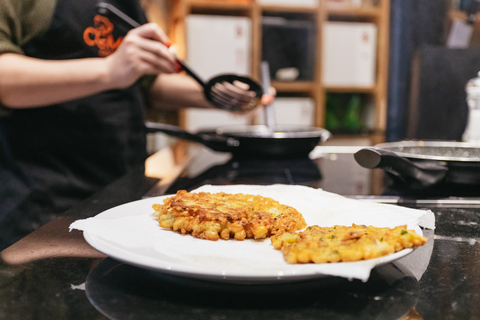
x: 238, y: 261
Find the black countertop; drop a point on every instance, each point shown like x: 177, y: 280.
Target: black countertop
x: 55, y: 274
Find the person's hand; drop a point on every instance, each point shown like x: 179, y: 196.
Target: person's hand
x: 143, y: 51
x: 238, y: 97
x: 267, y: 98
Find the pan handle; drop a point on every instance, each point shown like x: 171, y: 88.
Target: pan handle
x: 212, y: 141
x: 417, y: 175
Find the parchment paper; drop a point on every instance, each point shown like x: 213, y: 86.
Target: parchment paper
x: 133, y: 227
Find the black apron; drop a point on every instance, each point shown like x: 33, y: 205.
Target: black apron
x: 54, y: 157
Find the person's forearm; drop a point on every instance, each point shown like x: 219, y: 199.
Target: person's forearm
x: 27, y: 82
x: 176, y: 91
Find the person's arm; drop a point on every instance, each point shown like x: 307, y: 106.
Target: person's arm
x: 176, y: 91
x: 28, y: 82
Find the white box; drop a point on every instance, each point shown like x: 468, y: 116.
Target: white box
x: 349, y: 54
x: 216, y: 45
x: 291, y: 111
x: 206, y: 119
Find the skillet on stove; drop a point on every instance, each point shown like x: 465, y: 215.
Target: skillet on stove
x: 253, y: 141
x: 425, y: 164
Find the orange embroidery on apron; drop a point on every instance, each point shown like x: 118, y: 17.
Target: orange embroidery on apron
x: 100, y: 35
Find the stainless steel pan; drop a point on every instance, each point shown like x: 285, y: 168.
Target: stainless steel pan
x: 425, y: 164
x: 253, y: 141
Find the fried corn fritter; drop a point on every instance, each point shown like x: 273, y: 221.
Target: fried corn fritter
x: 342, y: 243
x: 223, y: 215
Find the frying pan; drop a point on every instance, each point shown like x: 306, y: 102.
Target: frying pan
x: 421, y: 165
x: 252, y: 141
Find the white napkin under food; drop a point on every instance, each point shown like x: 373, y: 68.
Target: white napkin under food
x: 133, y: 230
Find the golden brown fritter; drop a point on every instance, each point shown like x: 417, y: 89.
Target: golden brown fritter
x: 342, y: 243
x: 223, y: 215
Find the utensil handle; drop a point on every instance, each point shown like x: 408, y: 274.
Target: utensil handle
x: 104, y: 8
x: 214, y: 142
x: 416, y: 175
x: 268, y: 111
x: 189, y: 71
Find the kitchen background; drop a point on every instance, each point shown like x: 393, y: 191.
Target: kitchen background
x: 367, y: 70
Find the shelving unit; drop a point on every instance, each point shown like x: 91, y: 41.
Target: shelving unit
x: 325, y: 11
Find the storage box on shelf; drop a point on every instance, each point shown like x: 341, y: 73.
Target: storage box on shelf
x: 349, y: 54
x: 305, y: 75
x: 214, y: 45
x: 374, y: 14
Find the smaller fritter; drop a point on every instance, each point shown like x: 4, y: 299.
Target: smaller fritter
x: 342, y: 243
x: 223, y: 215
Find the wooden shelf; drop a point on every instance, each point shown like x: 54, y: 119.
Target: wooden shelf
x: 353, y: 11
x: 216, y: 8
x: 369, y: 90
x: 219, y: 6
x: 322, y: 13
x: 289, y: 9
x: 297, y: 86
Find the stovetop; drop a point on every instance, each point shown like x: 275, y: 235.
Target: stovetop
x: 332, y: 169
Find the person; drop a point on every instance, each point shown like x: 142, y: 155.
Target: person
x: 74, y: 87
